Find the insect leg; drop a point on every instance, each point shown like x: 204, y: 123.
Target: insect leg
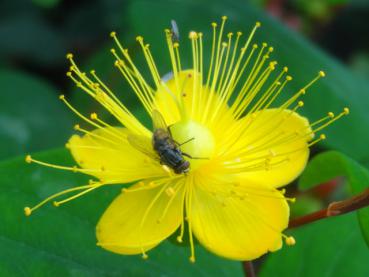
x: 189, y: 140
x: 194, y: 158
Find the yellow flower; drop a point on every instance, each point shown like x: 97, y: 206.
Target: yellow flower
x: 221, y: 114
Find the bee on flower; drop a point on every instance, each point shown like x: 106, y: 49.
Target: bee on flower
x: 214, y: 163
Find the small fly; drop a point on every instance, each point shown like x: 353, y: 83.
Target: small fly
x: 175, y: 31
x: 163, y: 147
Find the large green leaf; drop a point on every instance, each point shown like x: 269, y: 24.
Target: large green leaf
x: 327, y: 248
x: 339, y: 89
x: 328, y: 165
x: 61, y: 241
x: 31, y: 116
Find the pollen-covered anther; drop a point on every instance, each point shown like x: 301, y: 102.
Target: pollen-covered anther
x: 69, y: 74
x: 69, y: 56
x: 302, y: 91
x: 300, y: 103
x: 61, y: 97
x: 193, y: 35
x: 321, y: 73
x: 170, y: 191
x: 192, y: 259
x: 113, y: 34
x: 264, y: 44
x: 214, y: 24
x: 27, y: 211
x: 289, y: 78
x: 139, y: 38
x: 76, y: 127
x: 255, y: 46
x: 94, y: 116
x: 257, y: 24
x: 179, y: 239
x: 239, y: 33
x: 224, y: 44
x: 290, y: 241
x: 28, y: 159
x: 346, y: 111
x: 229, y: 35
x: 322, y: 136
x: 176, y: 45
x: 271, y: 49
x: 56, y: 204
x: 112, y: 50
x: 145, y: 256
x: 75, y: 169
x: 331, y: 115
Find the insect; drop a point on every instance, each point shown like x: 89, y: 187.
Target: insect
x: 163, y: 147
x: 175, y: 31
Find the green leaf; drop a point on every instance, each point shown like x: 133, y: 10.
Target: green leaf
x: 339, y: 89
x: 331, y: 247
x: 61, y: 241
x: 328, y: 165
x: 31, y: 116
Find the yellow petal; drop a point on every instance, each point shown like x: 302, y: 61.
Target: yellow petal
x: 141, y: 217
x: 242, y: 224
x: 108, y: 155
x: 273, y: 134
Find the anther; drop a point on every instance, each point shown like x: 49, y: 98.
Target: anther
x: 112, y: 51
x: 176, y: 45
x: 323, y: 136
x: 93, y: 116
x: 61, y: 97
x: 113, y: 34
x: 192, y: 259
x: 179, y: 239
x: 92, y: 71
x: 192, y: 35
x: 170, y: 191
x: 69, y: 56
x: 214, y: 24
x: 257, y: 24
x: 239, y: 33
x: 76, y: 127
x: 255, y: 46
x: 28, y: 159
x: 145, y: 256
x: 224, y: 44
x: 224, y: 17
x: 229, y: 35
x: 346, y: 111
x: 56, y: 204
x: 139, y: 38
x: 288, y: 78
x: 300, y: 103
x: 69, y: 73
x: 290, y: 241
x: 27, y: 211
x: 271, y: 49
x: 264, y: 44
x: 321, y: 73
x: 285, y: 69
x: 302, y: 91
x: 331, y: 115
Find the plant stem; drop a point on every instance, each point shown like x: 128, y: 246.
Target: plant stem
x: 248, y: 269
x: 335, y: 208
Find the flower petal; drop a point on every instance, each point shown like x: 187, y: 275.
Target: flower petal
x: 108, y: 155
x: 242, y: 224
x: 140, y: 218
x: 284, y: 136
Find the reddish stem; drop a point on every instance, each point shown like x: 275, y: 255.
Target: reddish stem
x: 335, y: 208
x: 248, y: 269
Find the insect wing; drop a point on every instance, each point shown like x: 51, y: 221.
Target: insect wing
x: 158, y: 121
x: 175, y: 31
x: 142, y: 144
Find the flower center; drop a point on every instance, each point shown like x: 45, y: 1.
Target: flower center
x: 195, y: 140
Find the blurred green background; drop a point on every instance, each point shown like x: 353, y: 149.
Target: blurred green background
x: 307, y: 36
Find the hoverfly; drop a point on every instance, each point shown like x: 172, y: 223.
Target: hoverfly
x: 163, y: 147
